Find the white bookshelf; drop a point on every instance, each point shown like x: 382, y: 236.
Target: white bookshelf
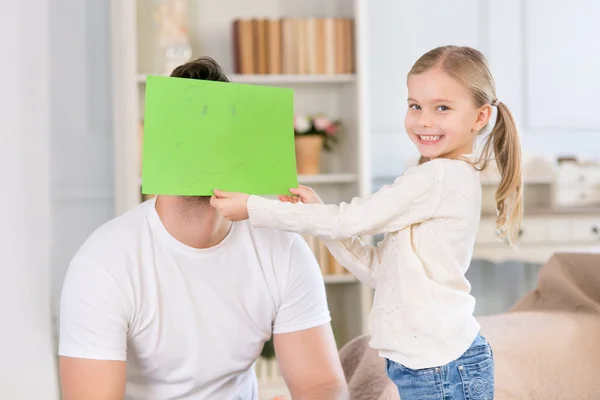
x: 321, y: 179
x: 327, y: 179
x: 333, y: 279
x: 346, y: 171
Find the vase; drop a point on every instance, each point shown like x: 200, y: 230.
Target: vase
x: 308, y: 154
x: 171, y: 19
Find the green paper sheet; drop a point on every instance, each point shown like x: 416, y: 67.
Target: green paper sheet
x: 201, y: 135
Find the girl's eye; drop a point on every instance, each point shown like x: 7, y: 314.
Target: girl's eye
x: 443, y: 108
x: 415, y: 106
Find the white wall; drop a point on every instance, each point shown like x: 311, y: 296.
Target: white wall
x: 27, y: 366
x: 543, y: 53
x: 82, y: 186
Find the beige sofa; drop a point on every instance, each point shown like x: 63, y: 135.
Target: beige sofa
x: 546, y: 347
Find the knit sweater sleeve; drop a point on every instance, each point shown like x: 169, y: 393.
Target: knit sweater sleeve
x: 412, y: 198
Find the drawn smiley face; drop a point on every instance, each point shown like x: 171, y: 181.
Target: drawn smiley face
x: 222, y: 148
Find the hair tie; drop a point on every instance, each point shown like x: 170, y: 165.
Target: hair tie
x: 496, y: 102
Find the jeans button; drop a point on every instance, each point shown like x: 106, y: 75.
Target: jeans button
x: 437, y: 369
x: 460, y: 367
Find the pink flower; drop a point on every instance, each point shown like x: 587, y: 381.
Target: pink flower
x: 321, y: 123
x: 331, y: 129
x: 301, y: 124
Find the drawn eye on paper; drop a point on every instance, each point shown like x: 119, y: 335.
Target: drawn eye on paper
x: 196, y: 105
x: 239, y: 104
x: 223, y: 147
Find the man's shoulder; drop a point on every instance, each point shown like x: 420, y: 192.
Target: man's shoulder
x: 115, y: 235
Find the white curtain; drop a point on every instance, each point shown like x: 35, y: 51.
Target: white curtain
x: 27, y: 360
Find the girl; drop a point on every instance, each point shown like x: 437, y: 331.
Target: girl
x: 422, y: 319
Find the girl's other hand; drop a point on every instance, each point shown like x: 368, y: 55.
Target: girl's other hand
x: 289, y: 199
x: 304, y: 194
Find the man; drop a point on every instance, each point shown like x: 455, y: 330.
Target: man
x: 171, y: 301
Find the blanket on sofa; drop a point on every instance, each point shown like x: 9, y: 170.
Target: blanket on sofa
x: 546, y: 347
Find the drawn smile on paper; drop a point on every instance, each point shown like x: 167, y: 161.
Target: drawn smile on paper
x: 201, y: 163
x: 234, y: 149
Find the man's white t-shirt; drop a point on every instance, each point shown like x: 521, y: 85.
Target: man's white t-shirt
x: 189, y: 322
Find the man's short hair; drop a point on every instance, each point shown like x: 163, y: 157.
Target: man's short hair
x: 203, y: 68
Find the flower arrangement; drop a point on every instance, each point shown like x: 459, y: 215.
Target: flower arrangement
x: 317, y: 125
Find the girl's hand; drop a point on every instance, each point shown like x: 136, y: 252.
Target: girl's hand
x: 232, y: 206
x: 302, y: 193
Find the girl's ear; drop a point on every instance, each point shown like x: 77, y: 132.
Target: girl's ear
x: 483, y: 117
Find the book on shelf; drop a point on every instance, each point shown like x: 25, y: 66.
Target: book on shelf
x: 148, y: 196
x: 329, y: 265
x: 319, y: 46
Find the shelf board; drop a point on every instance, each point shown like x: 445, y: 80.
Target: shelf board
x: 300, y: 79
x: 326, y: 178
x: 333, y: 279
x: 320, y: 178
x: 286, y: 78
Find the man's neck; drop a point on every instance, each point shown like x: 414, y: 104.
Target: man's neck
x: 195, y: 224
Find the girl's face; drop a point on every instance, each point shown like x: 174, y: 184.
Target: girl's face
x: 442, y: 118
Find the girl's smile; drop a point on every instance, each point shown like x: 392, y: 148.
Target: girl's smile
x: 429, y: 140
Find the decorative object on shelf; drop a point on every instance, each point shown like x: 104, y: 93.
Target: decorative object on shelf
x: 293, y: 46
x: 312, y: 135
x: 268, y: 350
x: 171, y: 21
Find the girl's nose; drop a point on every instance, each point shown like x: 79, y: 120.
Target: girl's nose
x: 425, y: 121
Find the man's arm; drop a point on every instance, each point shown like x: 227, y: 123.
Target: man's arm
x: 302, y: 336
x: 310, y: 364
x: 83, y: 379
x: 94, y: 321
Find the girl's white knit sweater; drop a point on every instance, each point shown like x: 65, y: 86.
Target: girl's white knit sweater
x: 422, y: 314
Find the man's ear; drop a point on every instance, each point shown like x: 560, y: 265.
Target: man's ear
x: 484, y: 114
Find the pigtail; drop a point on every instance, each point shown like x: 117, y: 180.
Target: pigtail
x: 504, y: 145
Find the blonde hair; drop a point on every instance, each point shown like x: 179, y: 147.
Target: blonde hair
x: 470, y: 68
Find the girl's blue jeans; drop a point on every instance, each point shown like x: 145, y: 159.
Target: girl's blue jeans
x: 470, y: 377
